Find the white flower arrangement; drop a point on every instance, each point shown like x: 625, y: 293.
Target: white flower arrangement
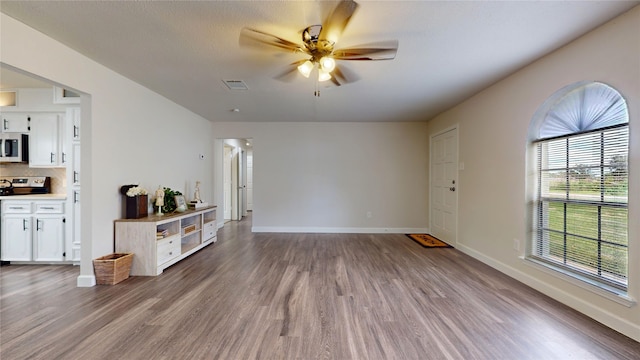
x: 136, y: 191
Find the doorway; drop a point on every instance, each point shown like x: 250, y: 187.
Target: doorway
x: 444, y: 185
x: 73, y: 109
x: 237, y: 174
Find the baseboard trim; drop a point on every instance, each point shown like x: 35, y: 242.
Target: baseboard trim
x: 338, y: 230
x: 86, y: 281
x: 615, y: 322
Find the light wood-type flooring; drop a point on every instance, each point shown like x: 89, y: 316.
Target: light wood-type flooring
x: 298, y: 296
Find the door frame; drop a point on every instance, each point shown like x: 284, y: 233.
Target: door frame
x: 233, y: 156
x: 455, y: 127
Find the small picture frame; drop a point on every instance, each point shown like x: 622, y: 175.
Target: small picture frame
x: 181, y: 203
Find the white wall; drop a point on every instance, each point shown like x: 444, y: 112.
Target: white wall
x: 493, y: 129
x: 325, y: 177
x: 129, y: 134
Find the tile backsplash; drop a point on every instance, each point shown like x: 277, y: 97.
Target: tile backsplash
x: 58, y: 175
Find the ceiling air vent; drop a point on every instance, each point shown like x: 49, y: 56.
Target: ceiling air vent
x: 236, y: 84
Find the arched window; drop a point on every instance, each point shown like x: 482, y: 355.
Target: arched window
x: 581, y: 139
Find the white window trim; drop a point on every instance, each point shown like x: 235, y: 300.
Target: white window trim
x: 614, y: 294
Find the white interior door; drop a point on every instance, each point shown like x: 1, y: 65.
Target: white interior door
x: 235, y: 206
x: 444, y: 186
x: 226, y: 174
x: 242, y: 200
x: 249, y: 180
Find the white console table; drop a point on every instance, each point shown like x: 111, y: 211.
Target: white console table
x: 159, y: 241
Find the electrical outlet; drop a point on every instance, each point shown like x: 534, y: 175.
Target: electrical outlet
x: 516, y: 244
x: 369, y: 215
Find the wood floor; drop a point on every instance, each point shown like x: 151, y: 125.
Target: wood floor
x: 297, y: 296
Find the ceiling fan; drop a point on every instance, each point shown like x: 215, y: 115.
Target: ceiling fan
x: 318, y: 44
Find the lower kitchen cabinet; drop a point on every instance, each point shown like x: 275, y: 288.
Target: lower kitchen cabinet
x: 33, y: 231
x: 48, y: 238
x: 16, y: 238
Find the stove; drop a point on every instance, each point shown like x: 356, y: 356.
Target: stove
x: 26, y: 185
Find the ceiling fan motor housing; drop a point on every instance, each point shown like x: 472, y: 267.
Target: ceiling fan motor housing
x: 317, y: 47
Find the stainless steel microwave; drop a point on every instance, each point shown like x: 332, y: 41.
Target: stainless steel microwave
x: 14, y: 147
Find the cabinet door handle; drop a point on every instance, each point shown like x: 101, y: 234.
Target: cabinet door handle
x: 52, y: 157
x: 37, y: 224
x: 76, y: 132
x: 16, y: 208
x: 64, y: 158
x: 5, y: 124
x: 76, y: 197
x: 24, y: 225
x: 47, y: 208
x: 75, y: 177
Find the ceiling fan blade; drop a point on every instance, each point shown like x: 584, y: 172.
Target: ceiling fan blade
x: 336, y: 22
x: 375, y: 51
x: 252, y: 37
x: 290, y: 73
x: 343, y: 75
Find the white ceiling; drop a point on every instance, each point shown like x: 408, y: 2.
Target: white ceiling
x: 448, y: 50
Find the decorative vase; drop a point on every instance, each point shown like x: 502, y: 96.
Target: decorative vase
x: 137, y: 206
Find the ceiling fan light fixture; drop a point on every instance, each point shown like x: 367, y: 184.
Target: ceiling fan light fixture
x: 318, y: 47
x: 328, y: 63
x: 305, y: 68
x: 323, y: 75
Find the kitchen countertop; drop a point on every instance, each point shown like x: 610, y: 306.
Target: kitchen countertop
x: 35, y: 197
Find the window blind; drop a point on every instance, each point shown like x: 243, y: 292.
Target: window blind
x: 582, y: 204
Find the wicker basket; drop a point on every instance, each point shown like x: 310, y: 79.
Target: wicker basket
x: 113, y: 268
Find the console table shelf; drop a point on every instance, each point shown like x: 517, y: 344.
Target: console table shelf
x: 159, y: 241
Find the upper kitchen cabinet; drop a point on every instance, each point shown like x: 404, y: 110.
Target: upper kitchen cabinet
x: 8, y: 98
x: 65, y: 96
x: 45, y: 148
x: 73, y: 116
x: 15, y: 122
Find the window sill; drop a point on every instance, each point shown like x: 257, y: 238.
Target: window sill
x: 619, y: 296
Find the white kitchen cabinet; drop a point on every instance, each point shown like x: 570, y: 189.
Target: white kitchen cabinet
x: 73, y: 242
x: 73, y: 196
x: 65, y: 96
x: 15, y: 123
x: 33, y: 230
x: 44, y: 144
x: 74, y: 227
x: 16, y: 237
x: 73, y: 116
x: 48, y: 238
x: 64, y: 148
x: 75, y: 165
